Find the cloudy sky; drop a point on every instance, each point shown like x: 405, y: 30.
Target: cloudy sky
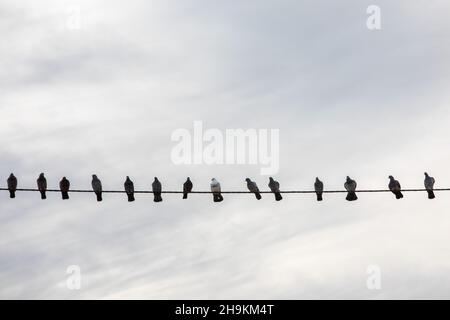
x: 100, y: 86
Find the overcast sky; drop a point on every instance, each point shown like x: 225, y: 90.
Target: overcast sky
x: 102, y: 93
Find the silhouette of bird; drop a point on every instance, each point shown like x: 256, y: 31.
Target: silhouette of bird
x: 318, y: 187
x: 129, y: 189
x: 187, y: 188
x: 97, y: 187
x: 275, y: 188
x: 350, y: 185
x: 252, y: 187
x: 64, y: 186
x: 157, y: 188
x: 42, y: 186
x: 395, y: 187
x: 12, y: 185
x: 429, y: 185
x: 216, y: 190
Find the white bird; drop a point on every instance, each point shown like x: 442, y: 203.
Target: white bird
x: 350, y: 185
x: 318, y: 187
x: 97, y: 187
x: 429, y: 185
x: 216, y: 190
x: 12, y: 185
x: 42, y: 186
x: 275, y: 188
x: 129, y: 189
x: 252, y: 187
x: 395, y: 187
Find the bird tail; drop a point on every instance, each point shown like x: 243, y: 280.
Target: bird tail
x: 99, y: 196
x: 351, y: 196
x: 185, y: 195
x: 398, y: 195
x: 258, y: 196
x: 43, y: 196
x: 431, y: 194
x: 319, y: 197
x: 217, y: 197
x: 278, y: 196
x: 157, y: 197
x: 130, y: 197
x: 12, y: 194
x: 65, y: 195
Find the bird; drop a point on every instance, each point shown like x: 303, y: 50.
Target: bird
x: 64, y: 186
x: 187, y: 187
x: 252, y: 187
x: 395, y: 187
x: 42, y: 186
x: 318, y: 187
x: 157, y: 188
x: 275, y: 188
x: 97, y: 187
x: 129, y: 189
x: 350, y: 186
x: 429, y: 185
x: 12, y: 185
x: 216, y: 190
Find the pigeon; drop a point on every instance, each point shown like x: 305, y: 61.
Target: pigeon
x: 129, y: 189
x: 42, y: 186
x: 350, y: 186
x: 12, y: 185
x: 275, y: 188
x: 97, y: 187
x: 252, y: 187
x: 64, y: 186
x: 187, y: 188
x: 318, y: 187
x: 216, y: 190
x: 157, y: 188
x: 429, y: 185
x: 395, y: 187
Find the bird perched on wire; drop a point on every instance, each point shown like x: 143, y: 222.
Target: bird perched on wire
x: 252, y: 187
x: 216, y: 190
x: 64, y: 186
x: 187, y: 188
x: 157, y: 188
x: 318, y: 187
x: 42, y: 186
x: 429, y: 185
x: 350, y: 185
x: 12, y: 185
x: 395, y: 187
x: 129, y: 189
x: 97, y: 187
x: 275, y: 188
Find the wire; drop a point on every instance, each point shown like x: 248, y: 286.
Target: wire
x: 231, y: 192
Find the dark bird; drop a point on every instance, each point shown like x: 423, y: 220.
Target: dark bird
x: 187, y: 188
x: 350, y: 186
x: 216, y: 190
x: 42, y: 186
x: 252, y: 187
x: 12, y: 185
x: 275, y: 188
x: 97, y: 187
x: 318, y: 187
x: 129, y: 189
x: 429, y: 185
x: 395, y: 187
x: 64, y: 186
x: 157, y: 188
